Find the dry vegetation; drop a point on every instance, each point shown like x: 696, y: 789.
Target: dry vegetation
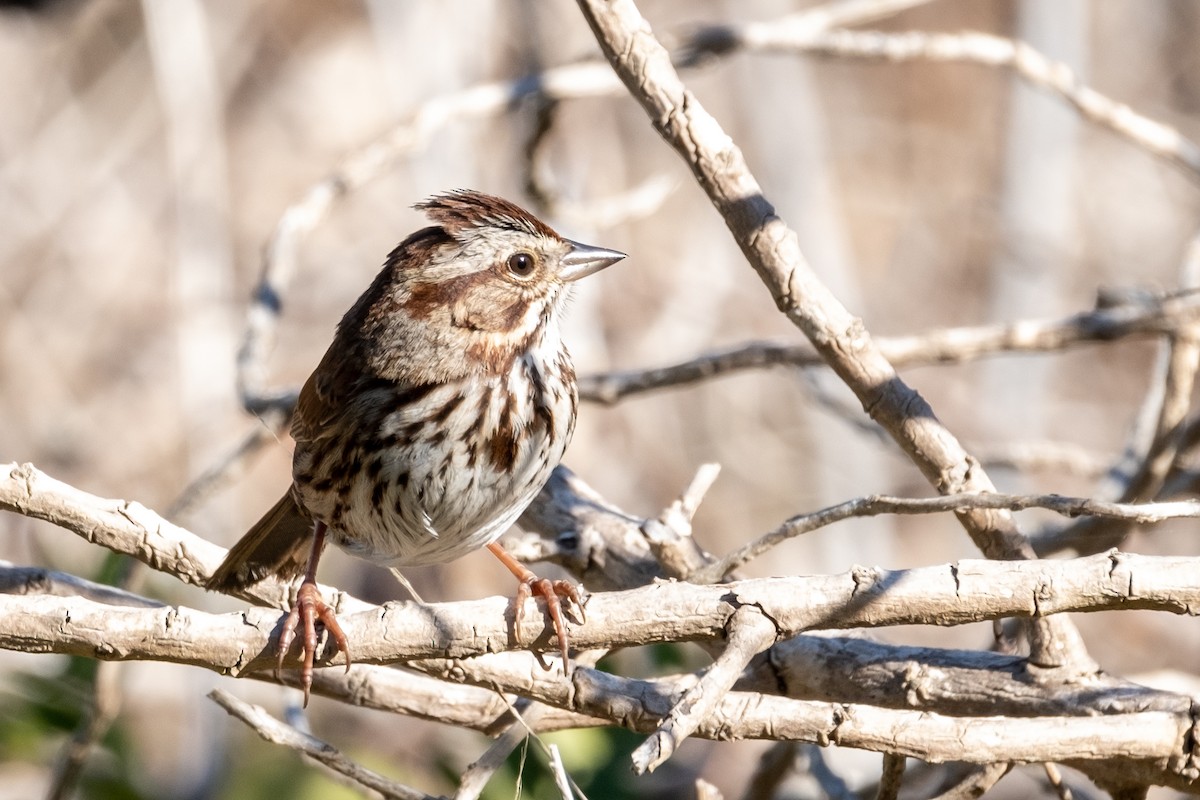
x: 943, y: 169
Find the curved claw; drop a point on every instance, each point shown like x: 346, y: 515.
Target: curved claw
x: 307, y: 611
x: 554, y: 592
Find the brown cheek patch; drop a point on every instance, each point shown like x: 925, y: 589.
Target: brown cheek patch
x: 482, y: 308
x: 508, y: 317
x: 424, y: 298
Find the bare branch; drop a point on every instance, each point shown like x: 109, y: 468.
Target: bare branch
x: 925, y: 736
x: 1055, y: 778
x: 892, y: 777
x: 1146, y: 317
x: 98, y: 716
x: 600, y: 695
x: 230, y: 466
x: 400, y: 691
x: 976, y: 783
x: 1150, y: 135
x: 1157, y: 443
x: 874, y: 505
x: 773, y: 250
x: 821, y: 666
x: 132, y: 529
x: 121, y: 526
x: 750, y: 633
x: 774, y: 766
x: 968, y: 591
x: 814, y: 667
x: 374, y: 690
x: 41, y: 581
x: 639, y: 704
x: 670, y: 535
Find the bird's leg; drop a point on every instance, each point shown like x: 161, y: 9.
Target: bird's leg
x: 307, y: 610
x: 553, y: 591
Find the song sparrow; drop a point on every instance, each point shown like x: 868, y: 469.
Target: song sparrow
x: 435, y: 417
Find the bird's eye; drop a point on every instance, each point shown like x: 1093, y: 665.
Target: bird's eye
x: 521, y: 264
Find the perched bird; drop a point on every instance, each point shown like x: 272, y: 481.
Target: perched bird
x: 436, y: 415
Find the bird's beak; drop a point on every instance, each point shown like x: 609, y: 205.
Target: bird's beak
x: 583, y: 260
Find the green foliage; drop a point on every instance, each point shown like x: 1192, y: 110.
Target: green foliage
x: 43, y: 711
x: 597, y: 759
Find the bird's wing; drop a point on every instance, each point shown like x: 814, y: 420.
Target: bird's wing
x: 323, y: 398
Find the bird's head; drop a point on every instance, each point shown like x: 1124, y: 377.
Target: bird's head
x: 480, y: 287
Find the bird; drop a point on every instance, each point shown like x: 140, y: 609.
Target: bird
x: 442, y: 405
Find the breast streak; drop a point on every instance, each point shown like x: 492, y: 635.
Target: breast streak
x: 474, y: 462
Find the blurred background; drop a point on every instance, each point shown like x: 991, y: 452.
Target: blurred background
x: 148, y: 150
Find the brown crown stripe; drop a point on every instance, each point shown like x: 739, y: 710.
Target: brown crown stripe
x: 463, y: 209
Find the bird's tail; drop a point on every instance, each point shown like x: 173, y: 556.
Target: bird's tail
x: 278, y: 544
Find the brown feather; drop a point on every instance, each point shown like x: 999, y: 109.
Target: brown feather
x: 318, y: 404
x: 462, y: 209
x: 278, y: 544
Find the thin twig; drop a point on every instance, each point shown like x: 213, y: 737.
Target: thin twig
x: 833, y: 784
x: 750, y: 633
x: 976, y: 782
x: 1150, y: 135
x: 774, y: 766
x: 98, y: 716
x: 561, y: 779
x: 230, y: 466
x: 892, y: 776
x: 1055, y: 779
x: 477, y: 774
x: 1147, y: 317
x: 670, y: 534
x: 276, y: 732
x: 525, y: 715
x: 41, y: 581
x: 874, y: 505
x: 1159, y: 439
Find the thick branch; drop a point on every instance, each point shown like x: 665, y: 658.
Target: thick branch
x: 640, y: 704
x: 969, y: 591
x: 128, y: 527
x: 1146, y: 736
